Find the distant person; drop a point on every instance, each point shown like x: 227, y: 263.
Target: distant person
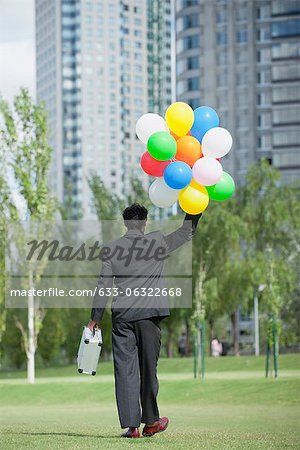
x: 136, y: 335
x: 225, y: 347
x: 216, y: 347
x: 182, y: 344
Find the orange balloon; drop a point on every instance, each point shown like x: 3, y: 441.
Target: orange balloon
x: 188, y: 150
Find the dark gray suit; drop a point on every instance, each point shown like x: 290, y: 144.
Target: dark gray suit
x: 136, y: 318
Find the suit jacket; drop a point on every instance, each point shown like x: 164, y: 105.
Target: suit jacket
x: 132, y: 266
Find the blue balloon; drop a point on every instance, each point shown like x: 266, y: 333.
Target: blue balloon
x: 205, y: 119
x: 178, y: 175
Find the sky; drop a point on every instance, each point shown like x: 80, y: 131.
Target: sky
x: 17, y: 47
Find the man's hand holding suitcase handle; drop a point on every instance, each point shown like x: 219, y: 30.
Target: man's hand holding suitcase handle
x: 92, y: 325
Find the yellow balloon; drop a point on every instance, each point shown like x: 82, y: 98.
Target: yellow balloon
x: 180, y: 118
x: 193, y: 200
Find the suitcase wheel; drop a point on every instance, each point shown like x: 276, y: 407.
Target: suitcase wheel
x: 86, y: 341
x: 99, y: 345
x: 80, y: 370
x: 93, y: 373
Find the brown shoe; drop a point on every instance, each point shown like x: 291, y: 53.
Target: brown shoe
x: 158, y: 427
x: 131, y: 433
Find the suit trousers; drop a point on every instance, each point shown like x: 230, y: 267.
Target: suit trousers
x: 136, y: 347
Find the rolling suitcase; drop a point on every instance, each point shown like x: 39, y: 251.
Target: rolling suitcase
x: 89, y: 351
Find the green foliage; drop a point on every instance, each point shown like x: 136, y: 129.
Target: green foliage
x: 25, y: 137
x: 52, y: 335
x: 249, y: 241
x: 12, y: 344
x: 27, y: 158
x: 138, y: 194
x: 107, y: 204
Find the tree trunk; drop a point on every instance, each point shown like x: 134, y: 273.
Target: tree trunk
x: 188, y: 337
x: 211, y: 329
x: 31, y: 342
x: 170, y: 344
x: 235, y: 331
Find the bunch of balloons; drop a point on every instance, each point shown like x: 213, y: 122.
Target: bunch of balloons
x: 183, y: 152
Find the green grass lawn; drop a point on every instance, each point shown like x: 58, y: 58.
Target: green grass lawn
x: 234, y: 408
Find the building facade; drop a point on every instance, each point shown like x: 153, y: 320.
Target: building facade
x: 100, y: 67
x: 241, y: 57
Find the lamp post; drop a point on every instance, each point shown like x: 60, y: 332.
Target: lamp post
x: 261, y: 287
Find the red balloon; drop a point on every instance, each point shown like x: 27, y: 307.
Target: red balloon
x: 152, y: 166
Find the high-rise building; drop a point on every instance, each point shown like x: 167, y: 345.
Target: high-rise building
x: 100, y: 67
x: 241, y: 57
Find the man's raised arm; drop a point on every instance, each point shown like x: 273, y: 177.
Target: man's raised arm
x: 184, y: 233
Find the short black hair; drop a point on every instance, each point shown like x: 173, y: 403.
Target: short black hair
x: 135, y: 216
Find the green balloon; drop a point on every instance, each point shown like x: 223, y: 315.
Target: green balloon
x: 162, y: 146
x: 223, y: 189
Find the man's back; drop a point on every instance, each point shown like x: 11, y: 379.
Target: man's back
x: 133, y: 272
x: 134, y: 266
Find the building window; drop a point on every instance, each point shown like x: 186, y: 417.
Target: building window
x: 264, y: 120
x: 222, y: 38
x: 286, y: 94
x: 242, y: 12
x: 194, y: 102
x: 222, y: 79
x: 264, y: 34
x: 241, y: 36
x: 222, y: 58
x: 191, y: 42
x: 286, y: 116
x: 180, y: 87
x: 181, y: 66
x: 193, y: 84
x: 286, y: 139
x: 242, y: 77
x: 190, y: 21
x: 187, y: 3
x: 282, y: 73
x: 286, y: 28
x: 264, y: 99
x: 286, y: 50
x: 263, y: 12
x: 193, y: 62
x: 285, y: 7
x: 221, y: 16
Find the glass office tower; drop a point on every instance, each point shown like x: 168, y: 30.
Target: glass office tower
x: 98, y: 69
x: 242, y: 58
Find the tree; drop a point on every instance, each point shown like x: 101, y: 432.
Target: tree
x: 7, y: 211
x: 107, y: 205
x: 216, y: 246
x: 271, y: 212
x: 25, y: 138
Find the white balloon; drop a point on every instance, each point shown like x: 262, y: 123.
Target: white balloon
x: 216, y: 142
x: 207, y: 171
x: 148, y: 124
x: 162, y: 195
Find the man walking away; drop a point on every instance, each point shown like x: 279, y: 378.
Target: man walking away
x: 136, y: 333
